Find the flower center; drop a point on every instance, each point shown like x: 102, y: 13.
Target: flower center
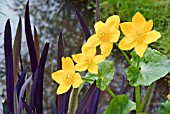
x: 88, y: 60
x: 103, y: 35
x: 68, y: 77
x: 138, y: 35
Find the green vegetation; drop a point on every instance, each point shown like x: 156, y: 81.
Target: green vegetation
x: 157, y: 10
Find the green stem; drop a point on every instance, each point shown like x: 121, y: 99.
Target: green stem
x: 147, y: 97
x: 137, y: 93
x: 125, y: 55
x: 73, y: 101
x: 110, y: 91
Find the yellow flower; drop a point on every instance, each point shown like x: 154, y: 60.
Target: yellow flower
x: 168, y: 96
x: 106, y: 34
x: 67, y: 76
x: 138, y: 34
x: 88, y: 59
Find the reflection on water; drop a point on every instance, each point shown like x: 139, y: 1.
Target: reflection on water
x: 53, y: 16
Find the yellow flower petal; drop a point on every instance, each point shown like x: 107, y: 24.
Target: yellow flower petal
x: 99, y: 26
x: 98, y: 59
x: 138, y: 20
x: 78, y: 57
x: 127, y: 28
x: 77, y: 80
x: 88, y: 51
x: 93, y: 41
x: 152, y: 36
x: 114, y: 36
x: 57, y: 76
x: 81, y: 66
x: 106, y: 48
x: 113, y: 22
x: 127, y: 43
x: 140, y: 49
x: 148, y: 26
x: 67, y: 64
x: 93, y: 68
x: 63, y: 88
x: 168, y: 96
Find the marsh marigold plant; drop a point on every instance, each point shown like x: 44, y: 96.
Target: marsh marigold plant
x: 106, y: 34
x: 67, y: 76
x: 138, y: 34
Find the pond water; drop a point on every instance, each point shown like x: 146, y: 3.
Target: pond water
x: 51, y: 17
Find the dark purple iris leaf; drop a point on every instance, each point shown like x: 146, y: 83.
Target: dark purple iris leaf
x: 39, y: 92
x: 20, y: 82
x: 93, y: 102
x: 9, y: 67
x: 27, y: 107
x: 97, y: 16
x: 122, y: 85
x: 84, y: 26
x: 86, y: 98
x: 30, y: 42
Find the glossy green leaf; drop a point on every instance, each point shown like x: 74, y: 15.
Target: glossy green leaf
x: 164, y: 108
x: 120, y: 105
x: 104, y: 76
x: 152, y: 67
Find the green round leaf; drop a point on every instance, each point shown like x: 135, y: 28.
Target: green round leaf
x: 164, y: 108
x: 120, y: 105
x: 152, y: 67
x: 104, y: 76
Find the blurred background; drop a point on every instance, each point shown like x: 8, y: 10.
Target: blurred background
x: 52, y: 16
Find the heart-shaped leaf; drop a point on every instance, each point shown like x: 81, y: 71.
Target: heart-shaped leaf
x: 152, y: 67
x: 104, y: 76
x: 120, y: 105
x: 164, y: 108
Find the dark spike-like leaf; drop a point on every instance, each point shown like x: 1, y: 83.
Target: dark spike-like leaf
x: 20, y: 59
x: 5, y: 107
x: 97, y: 16
x: 122, y: 85
x: 27, y: 107
x: 21, y: 95
x: 9, y: 67
x: 20, y: 82
x: 84, y: 26
x: 54, y: 107
x: 34, y: 88
x: 36, y: 43
x: 16, y: 50
x: 93, y: 102
x: 30, y: 43
x: 39, y: 93
x: 133, y: 99
x: 83, y: 103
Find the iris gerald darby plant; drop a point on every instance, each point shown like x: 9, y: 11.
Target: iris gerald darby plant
x: 138, y: 34
x: 67, y: 76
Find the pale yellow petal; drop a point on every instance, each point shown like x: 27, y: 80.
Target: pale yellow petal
x: 148, y: 26
x: 81, y: 66
x: 93, y: 68
x: 138, y: 20
x: 127, y: 28
x: 106, y: 48
x: 77, y: 58
x: 127, y: 43
x: 93, y: 41
x: 63, y: 88
x: 67, y: 64
x: 113, y: 21
x: 88, y: 51
x: 99, y: 26
x: 58, y: 76
x: 77, y: 80
x: 152, y: 36
x: 114, y: 36
x: 98, y: 59
x: 140, y: 49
